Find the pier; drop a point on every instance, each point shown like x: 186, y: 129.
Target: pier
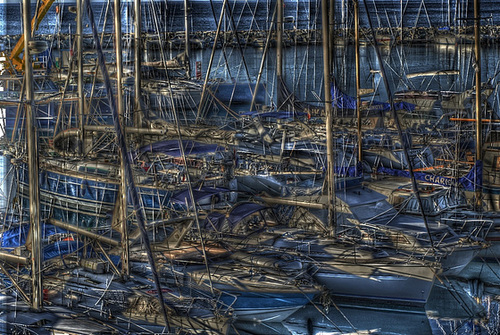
x: 490, y: 35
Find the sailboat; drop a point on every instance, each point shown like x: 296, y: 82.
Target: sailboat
x: 81, y: 187
x: 456, y: 139
x: 96, y: 258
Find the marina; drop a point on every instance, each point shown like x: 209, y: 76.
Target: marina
x: 292, y: 167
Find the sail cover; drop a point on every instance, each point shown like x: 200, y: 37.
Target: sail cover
x: 16, y: 236
x: 345, y: 101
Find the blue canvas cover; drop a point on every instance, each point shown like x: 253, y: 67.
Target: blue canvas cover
x: 16, y: 236
x: 60, y: 248
x: 344, y: 101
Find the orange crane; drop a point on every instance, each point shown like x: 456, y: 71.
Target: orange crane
x: 16, y: 60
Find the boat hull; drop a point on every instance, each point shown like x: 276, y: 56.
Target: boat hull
x: 86, y: 200
x: 395, y: 283
x: 266, y: 306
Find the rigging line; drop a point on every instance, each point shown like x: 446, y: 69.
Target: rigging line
x: 13, y: 281
x: 400, y: 131
x: 207, y: 75
x: 66, y: 83
x: 188, y: 180
x: 228, y: 109
x: 228, y: 68
x: 240, y: 16
x: 263, y: 60
x: 96, y: 64
x: 140, y: 215
x: 21, y: 96
x: 240, y: 48
x: 253, y: 12
x: 10, y: 195
x: 453, y: 292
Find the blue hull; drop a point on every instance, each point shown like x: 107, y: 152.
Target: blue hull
x: 87, y: 200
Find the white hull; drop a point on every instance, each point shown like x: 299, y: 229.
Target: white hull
x: 395, y: 283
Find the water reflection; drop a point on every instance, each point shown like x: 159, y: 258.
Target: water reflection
x: 347, y: 319
x: 468, y: 304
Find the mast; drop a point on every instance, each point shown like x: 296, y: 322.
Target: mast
x: 399, y: 129
x: 279, y: 50
x: 134, y: 195
x: 331, y: 20
x: 210, y: 62
x: 358, y: 80
x: 328, y: 112
x: 137, y: 62
x: 262, y: 62
x: 34, y: 196
x: 448, y: 17
x: 479, y: 128
x: 401, y: 22
x: 187, y: 46
x: 79, y: 48
x: 125, y: 271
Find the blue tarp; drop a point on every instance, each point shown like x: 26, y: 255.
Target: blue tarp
x: 60, y: 248
x: 172, y: 148
x: 16, y: 236
x: 344, y: 101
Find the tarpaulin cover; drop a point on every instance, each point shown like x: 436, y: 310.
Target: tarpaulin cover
x: 344, y: 101
x: 60, y: 248
x: 16, y: 236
